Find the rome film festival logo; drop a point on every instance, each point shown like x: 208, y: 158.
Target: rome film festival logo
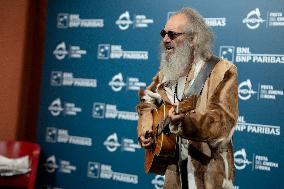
x: 259, y: 162
x: 126, y: 144
x: 64, y: 166
x: 55, y: 107
x: 240, y: 159
x: 117, y: 82
x: 68, y: 108
x: 50, y: 164
x: 124, y: 21
x: 61, y: 51
x: 264, y: 91
x: 133, y: 83
x: 111, y: 142
x: 253, y: 19
x: 158, y: 181
x: 140, y: 21
x: 245, y: 90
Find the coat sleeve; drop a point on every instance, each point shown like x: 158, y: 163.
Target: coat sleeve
x: 144, y: 108
x: 216, y: 122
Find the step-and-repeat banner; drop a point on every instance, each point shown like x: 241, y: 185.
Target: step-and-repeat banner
x: 98, y: 54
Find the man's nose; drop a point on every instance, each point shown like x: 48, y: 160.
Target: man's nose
x: 166, y: 39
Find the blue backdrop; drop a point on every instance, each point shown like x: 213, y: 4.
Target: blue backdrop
x: 98, y: 54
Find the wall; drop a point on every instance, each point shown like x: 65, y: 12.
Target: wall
x: 100, y: 53
x: 21, y: 44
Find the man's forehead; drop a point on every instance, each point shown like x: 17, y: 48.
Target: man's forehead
x: 176, y: 22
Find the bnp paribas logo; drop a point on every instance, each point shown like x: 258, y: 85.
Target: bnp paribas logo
x: 227, y: 53
x: 66, y: 20
x: 253, y: 19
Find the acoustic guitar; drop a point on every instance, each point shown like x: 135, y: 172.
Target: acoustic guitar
x: 163, y: 151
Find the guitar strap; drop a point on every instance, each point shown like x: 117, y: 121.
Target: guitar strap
x: 199, y: 81
x: 186, y: 174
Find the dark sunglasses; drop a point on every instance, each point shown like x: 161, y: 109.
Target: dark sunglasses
x: 172, y: 35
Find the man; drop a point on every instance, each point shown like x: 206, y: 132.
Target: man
x: 204, y: 149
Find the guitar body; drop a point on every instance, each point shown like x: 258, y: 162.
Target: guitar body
x: 163, y: 152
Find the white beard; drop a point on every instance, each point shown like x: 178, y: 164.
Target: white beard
x: 174, y: 67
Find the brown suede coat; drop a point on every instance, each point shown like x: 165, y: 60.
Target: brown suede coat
x: 208, y: 128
